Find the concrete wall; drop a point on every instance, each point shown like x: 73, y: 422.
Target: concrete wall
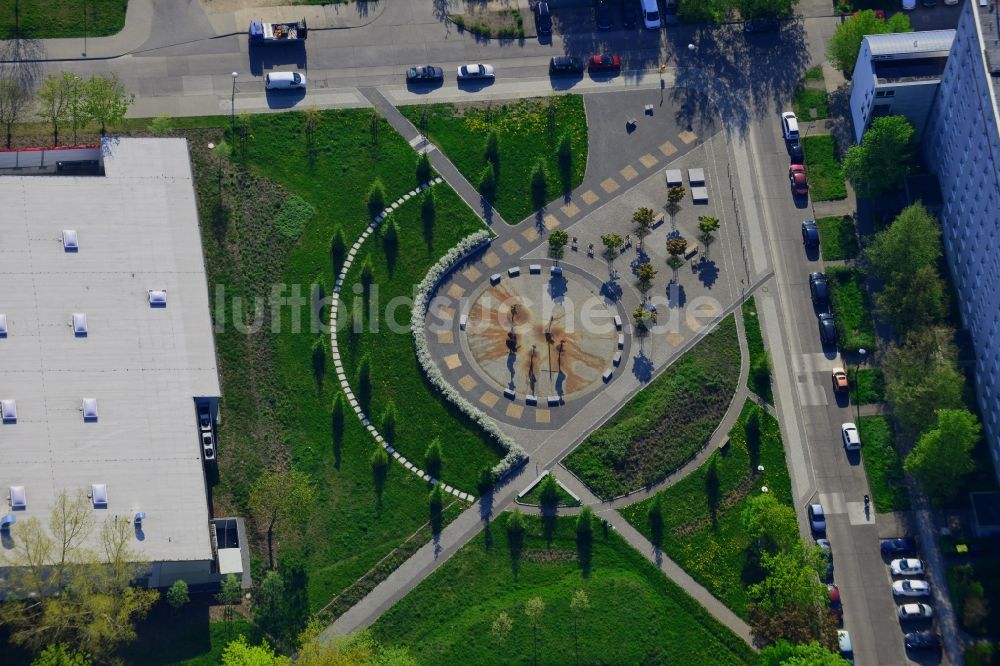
x: 962, y: 146
x: 862, y: 91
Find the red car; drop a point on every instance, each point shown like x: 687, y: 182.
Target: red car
x: 836, y: 608
x: 604, y: 63
x: 798, y: 180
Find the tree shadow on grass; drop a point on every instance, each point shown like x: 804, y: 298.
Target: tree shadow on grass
x: 549, y: 515
x: 585, y: 552
x: 515, y: 543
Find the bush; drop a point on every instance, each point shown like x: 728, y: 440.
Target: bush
x: 980, y: 653
x: 161, y: 125
x: 293, y: 216
x: 486, y: 481
x: 389, y: 422
x: 549, y: 491
x: 376, y: 198
x: 433, y: 458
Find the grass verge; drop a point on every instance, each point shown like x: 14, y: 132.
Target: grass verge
x: 703, y: 530
x: 867, y: 386
x: 535, y: 497
x: 807, y: 99
x: 759, y: 379
x: 47, y: 19
x: 882, y: 465
x: 849, y: 304
x: 826, y: 176
x: 528, y: 131
x: 837, y: 240
x: 636, y: 615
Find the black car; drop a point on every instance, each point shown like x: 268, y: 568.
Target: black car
x: 819, y: 288
x: 424, y: 73
x: 810, y: 233
x: 827, y: 328
x: 628, y: 13
x: 565, y: 65
x: 894, y: 547
x: 922, y: 640
x: 795, y: 152
x: 602, y: 12
x: 543, y: 19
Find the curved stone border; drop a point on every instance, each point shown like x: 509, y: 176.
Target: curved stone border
x: 425, y: 290
x: 339, y: 366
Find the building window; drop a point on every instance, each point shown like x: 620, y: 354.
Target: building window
x: 881, y: 110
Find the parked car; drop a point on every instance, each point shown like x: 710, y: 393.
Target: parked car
x: 911, y: 588
x: 909, y: 5
x: 798, y: 180
x: 790, y: 126
x: 819, y: 286
x: 795, y: 151
x: 898, y: 546
x: 827, y: 551
x: 543, y: 18
x: 604, y: 62
x: 650, y: 14
x: 476, y: 71
x: 852, y: 440
x: 839, y: 378
x: 565, y: 65
x: 922, y: 640
x: 602, y: 14
x: 817, y: 519
x: 836, y: 607
x: 907, y: 567
x: 844, y: 643
x: 424, y: 73
x: 284, y: 81
x: 827, y: 328
x: 915, y: 612
x: 810, y: 233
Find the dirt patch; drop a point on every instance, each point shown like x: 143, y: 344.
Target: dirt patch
x: 548, y: 556
x: 497, y: 18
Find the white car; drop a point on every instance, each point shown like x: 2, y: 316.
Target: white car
x: 844, y: 643
x: 909, y: 5
x: 907, y: 567
x: 915, y: 612
x: 789, y: 126
x: 911, y: 588
x: 852, y: 440
x: 476, y: 71
x: 284, y: 81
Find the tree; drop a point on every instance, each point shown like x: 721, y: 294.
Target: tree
x: 791, y: 602
x: 643, y: 218
x: 887, y: 153
x: 674, y: 263
x: 501, y: 627
x: 922, y: 377
x: 912, y: 301
x: 675, y: 195
x: 229, y: 595
x: 676, y: 247
x: 424, y: 170
x: 319, y: 359
x: 390, y: 242
x: 338, y: 251
x: 578, y: 605
x: 585, y: 525
x: 60, y: 654
x: 367, y: 275
x: 846, y: 41
x: 435, y: 506
x: 646, y: 273
x: 612, y: 245
x: 352, y: 650
x: 15, y: 102
x: 280, y: 501
x: 770, y: 522
x: 912, y: 241
x: 750, y: 9
x: 488, y: 184
x: 783, y: 653
x: 549, y: 491
x: 643, y: 317
x: 106, y: 100
x: 77, y: 113
x: 539, y: 185
x: 365, y: 381
x: 177, y: 594
x: 943, y: 454
x: 389, y: 422
x: 267, y: 603
x: 379, y: 462
x: 376, y: 199
x: 491, y: 153
x: 557, y: 243
x: 54, y: 100
x: 433, y: 458
x: 707, y: 225
x: 534, y: 608
x: 240, y: 653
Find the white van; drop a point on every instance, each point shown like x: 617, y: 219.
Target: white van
x: 650, y: 14
x: 284, y: 81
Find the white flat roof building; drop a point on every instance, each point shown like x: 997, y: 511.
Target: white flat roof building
x: 83, y: 339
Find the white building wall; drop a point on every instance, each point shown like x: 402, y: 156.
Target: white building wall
x: 862, y: 91
x: 962, y: 146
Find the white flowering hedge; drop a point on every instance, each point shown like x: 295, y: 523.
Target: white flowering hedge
x: 425, y: 291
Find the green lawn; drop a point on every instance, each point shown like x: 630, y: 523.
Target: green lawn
x: 882, y: 465
x: 814, y: 73
x: 867, y: 385
x: 396, y: 374
x: 837, y: 239
x: 273, y: 407
x: 716, y: 550
x: 45, y: 19
x: 826, y: 177
x: 758, y: 380
x: 636, y: 614
x: 807, y: 99
x: 666, y: 423
x: 527, y: 130
x: 850, y: 307
x: 535, y: 496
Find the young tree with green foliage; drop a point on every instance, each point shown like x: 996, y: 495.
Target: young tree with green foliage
x: 539, y: 185
x: 549, y: 491
x: 613, y: 244
x: 846, y: 41
x: 60, y: 654
x: 239, y: 652
x: 433, y: 458
x: 646, y: 273
x: 435, y: 507
x: 912, y: 241
x: 913, y: 301
x: 887, y: 153
x: 791, y: 602
x: 655, y: 519
x: 338, y: 250
x: 943, y: 454
x: 389, y: 422
x: 337, y: 423
x: 428, y: 212
x: 921, y: 377
x: 772, y: 523
x: 161, y: 125
x: 675, y: 195
x: 578, y: 605
x: 783, y: 653
x: 365, y: 381
x: 424, y: 170
x: 534, y: 608
x: 267, y: 605
x: 376, y: 198
x: 367, y: 276
x: 708, y: 225
x: 230, y: 595
x: 643, y: 219
x: 280, y: 501
x: 319, y: 359
x: 54, y: 100
x: 107, y: 101
x: 501, y: 627
x: 379, y: 462
x: 642, y: 318
x: 390, y: 241
x: 488, y: 185
x: 177, y: 594
x: 558, y: 239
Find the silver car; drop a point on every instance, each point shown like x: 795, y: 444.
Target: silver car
x: 476, y: 71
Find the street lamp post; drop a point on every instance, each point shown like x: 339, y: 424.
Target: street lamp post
x: 84, y: 27
x: 857, y: 374
x: 232, y: 102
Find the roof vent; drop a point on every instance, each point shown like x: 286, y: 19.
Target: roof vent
x: 70, y: 242
x: 80, y: 324
x: 157, y: 298
x: 3, y: 325
x: 18, y: 501
x: 89, y: 409
x: 99, y: 494
x: 9, y: 410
